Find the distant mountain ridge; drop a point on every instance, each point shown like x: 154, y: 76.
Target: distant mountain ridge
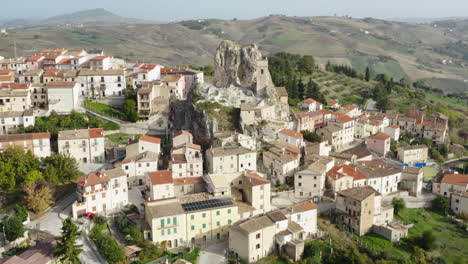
x: 97, y: 16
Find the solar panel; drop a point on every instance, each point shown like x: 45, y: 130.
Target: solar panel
x: 207, y: 204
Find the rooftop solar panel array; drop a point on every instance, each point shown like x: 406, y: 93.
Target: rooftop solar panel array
x: 207, y: 204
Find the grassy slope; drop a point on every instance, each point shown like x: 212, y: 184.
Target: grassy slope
x: 407, y: 47
x: 450, y: 239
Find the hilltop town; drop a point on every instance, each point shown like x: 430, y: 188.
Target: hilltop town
x: 169, y: 164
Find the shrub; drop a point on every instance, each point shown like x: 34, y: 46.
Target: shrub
x: 107, y: 246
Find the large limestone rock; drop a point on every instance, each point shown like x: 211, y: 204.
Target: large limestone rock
x: 236, y: 65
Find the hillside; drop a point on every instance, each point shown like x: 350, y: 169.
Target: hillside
x: 98, y: 16
x: 399, y: 49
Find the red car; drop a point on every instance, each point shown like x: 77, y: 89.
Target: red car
x: 89, y: 215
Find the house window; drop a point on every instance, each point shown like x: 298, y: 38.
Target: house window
x: 192, y: 217
x: 204, y: 215
x: 257, y: 246
x: 204, y: 225
x: 162, y: 232
x: 229, y: 211
x: 217, y: 212
x: 162, y: 222
x: 193, y: 228
x: 218, y: 223
x: 229, y: 221
x: 257, y: 236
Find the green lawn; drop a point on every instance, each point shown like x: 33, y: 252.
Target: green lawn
x: 429, y: 173
x: 450, y: 239
x: 104, y: 109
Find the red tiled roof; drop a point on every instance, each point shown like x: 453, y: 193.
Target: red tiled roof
x: 35, y: 58
x: 380, y: 135
x: 344, y: 119
x: 150, y: 139
x: 160, y: 177
x: 332, y: 102
x: 188, y: 180
x: 255, y: 179
x: 53, y: 73
x: 291, y: 133
x: 171, y: 78
x: 307, y: 205
x: 5, y: 72
x: 7, y: 78
x: 341, y: 171
x: 456, y: 179
x: 65, y: 61
x: 60, y: 84
x: 92, y: 179
x: 394, y: 126
x: 325, y: 112
x: 41, y: 135
x: 14, y: 85
x: 350, y: 107
x: 98, y: 58
x: 96, y: 132
x: 309, y: 101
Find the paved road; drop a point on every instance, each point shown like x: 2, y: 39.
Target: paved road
x: 214, y: 254
x: 52, y: 223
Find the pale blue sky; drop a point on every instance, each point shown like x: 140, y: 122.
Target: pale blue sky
x: 173, y: 10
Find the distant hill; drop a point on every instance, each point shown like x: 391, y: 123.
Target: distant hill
x: 98, y: 16
x: 422, y: 51
x: 419, y: 20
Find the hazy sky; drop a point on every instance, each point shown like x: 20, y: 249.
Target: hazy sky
x: 173, y: 10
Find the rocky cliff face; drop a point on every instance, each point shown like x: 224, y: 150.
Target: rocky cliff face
x: 236, y: 65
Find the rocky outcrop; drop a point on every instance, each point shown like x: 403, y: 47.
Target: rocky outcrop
x: 236, y: 65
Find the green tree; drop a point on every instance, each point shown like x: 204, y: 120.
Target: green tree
x: 7, y: 177
x: 22, y: 162
x: 151, y: 252
x: 38, y: 197
x: 306, y: 64
x: 427, y: 240
x: 300, y: 89
x: 21, y: 212
x: 398, y: 204
x: 130, y: 110
x: 13, y: 227
x: 67, y: 249
x: 441, y: 204
x: 367, y: 74
x: 51, y: 175
x: 65, y: 166
x: 33, y: 177
x: 130, y: 93
x: 418, y: 257
x: 311, y: 136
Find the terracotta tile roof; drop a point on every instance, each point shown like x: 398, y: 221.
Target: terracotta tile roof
x: 5, y: 72
x: 171, y: 78
x: 60, y: 84
x: 341, y: 171
x: 99, y: 58
x: 7, y: 78
x: 332, y: 102
x: 291, y: 133
x: 54, y: 73
x: 14, y: 85
x: 255, y: 179
x: 344, y: 119
x: 35, y: 58
x: 350, y: 107
x: 65, y: 61
x: 456, y: 179
x: 380, y: 135
x: 150, y: 139
x: 96, y: 132
x: 325, y: 112
x: 92, y: 179
x: 188, y: 180
x: 160, y: 177
x: 309, y: 101
x: 307, y: 205
x: 21, y: 137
